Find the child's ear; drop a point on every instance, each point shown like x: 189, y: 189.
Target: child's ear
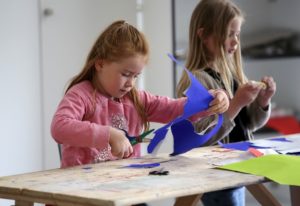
x: 200, y: 33
x: 98, y: 64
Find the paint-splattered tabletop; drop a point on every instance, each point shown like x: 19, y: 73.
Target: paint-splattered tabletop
x: 116, y: 183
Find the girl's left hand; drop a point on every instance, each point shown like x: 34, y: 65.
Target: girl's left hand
x: 265, y: 95
x: 220, y: 103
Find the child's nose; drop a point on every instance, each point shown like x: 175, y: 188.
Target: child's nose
x: 130, y: 82
x: 235, y: 42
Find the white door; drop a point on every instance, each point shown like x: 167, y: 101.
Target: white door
x: 69, y: 29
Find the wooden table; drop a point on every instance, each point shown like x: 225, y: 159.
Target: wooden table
x: 109, y: 183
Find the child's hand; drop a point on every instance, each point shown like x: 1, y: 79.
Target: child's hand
x: 265, y: 95
x: 246, y: 93
x: 120, y: 145
x: 220, y: 103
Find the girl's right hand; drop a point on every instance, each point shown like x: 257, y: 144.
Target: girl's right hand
x: 120, y: 145
x: 246, y: 93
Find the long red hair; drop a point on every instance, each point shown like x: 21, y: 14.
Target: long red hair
x: 118, y: 41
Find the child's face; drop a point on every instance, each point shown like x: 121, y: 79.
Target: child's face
x: 233, y: 36
x: 232, y: 39
x: 118, y: 78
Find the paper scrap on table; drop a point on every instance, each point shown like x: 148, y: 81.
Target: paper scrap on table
x: 283, y: 169
x: 185, y: 138
x: 283, y: 145
x: 143, y: 165
x: 243, y: 146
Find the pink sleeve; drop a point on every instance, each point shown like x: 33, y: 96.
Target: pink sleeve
x: 162, y: 109
x: 68, y: 126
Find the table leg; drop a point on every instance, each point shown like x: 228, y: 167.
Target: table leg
x: 23, y: 203
x: 263, y: 195
x: 190, y: 200
x: 295, y: 195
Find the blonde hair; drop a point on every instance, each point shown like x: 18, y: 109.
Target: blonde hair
x: 118, y: 41
x: 213, y: 17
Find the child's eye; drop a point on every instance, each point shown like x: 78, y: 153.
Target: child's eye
x: 127, y: 74
x: 230, y: 34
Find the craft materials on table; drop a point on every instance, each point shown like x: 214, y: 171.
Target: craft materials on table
x: 276, y: 145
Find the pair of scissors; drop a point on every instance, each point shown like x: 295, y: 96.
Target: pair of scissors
x: 137, y: 139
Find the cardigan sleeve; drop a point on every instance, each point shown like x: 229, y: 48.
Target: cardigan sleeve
x: 257, y: 115
x: 69, y: 127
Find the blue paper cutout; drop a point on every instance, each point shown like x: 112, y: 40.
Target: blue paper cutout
x: 146, y: 165
x: 280, y: 139
x: 87, y: 168
x: 185, y: 138
x: 243, y: 146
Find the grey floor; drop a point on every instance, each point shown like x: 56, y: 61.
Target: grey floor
x: 280, y: 192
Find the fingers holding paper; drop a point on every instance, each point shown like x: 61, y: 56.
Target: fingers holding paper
x: 220, y: 103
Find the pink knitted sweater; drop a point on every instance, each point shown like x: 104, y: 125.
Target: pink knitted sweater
x: 81, y: 122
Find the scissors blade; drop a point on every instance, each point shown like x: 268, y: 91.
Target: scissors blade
x: 146, y: 133
x: 140, y: 138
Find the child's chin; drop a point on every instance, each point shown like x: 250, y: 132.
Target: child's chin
x: 121, y: 95
x: 230, y: 54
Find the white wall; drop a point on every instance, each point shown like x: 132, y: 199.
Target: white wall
x: 158, y: 30
x: 20, y: 121
x: 183, y: 10
x: 158, y: 78
x: 21, y: 133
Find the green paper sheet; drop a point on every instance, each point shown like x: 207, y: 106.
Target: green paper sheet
x: 283, y: 169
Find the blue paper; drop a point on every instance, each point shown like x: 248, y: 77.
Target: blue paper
x: 280, y: 139
x: 146, y: 165
x: 243, y: 146
x: 185, y: 138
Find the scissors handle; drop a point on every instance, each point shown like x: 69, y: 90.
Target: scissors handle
x: 137, y: 139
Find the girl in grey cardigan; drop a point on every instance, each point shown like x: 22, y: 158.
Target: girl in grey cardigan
x: 214, y: 57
